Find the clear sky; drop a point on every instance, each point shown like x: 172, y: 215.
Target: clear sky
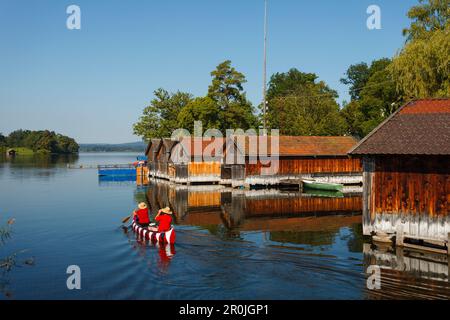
x: 93, y: 83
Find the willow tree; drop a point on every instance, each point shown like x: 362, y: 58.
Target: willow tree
x: 422, y: 68
x: 427, y: 17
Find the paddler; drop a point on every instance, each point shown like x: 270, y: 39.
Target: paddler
x: 140, y: 216
x: 164, y: 217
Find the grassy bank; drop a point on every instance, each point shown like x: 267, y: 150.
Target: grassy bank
x: 22, y: 151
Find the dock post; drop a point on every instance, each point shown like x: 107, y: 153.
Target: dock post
x: 448, y: 245
x: 399, y: 235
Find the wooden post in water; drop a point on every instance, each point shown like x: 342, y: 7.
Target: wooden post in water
x: 399, y: 236
x: 448, y: 246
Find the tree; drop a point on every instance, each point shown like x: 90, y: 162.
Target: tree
x: 2, y: 140
x: 429, y: 16
x: 422, y: 68
x: 356, y: 77
x: 284, y: 84
x: 160, y: 118
x: 43, y: 140
x: 203, y: 109
x: 298, y: 105
x: 354, y: 118
x: 227, y: 91
x: 374, y: 96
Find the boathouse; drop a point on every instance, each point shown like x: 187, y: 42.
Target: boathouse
x: 196, y: 160
x: 162, y: 157
x: 152, y: 149
x: 251, y: 160
x: 406, y: 162
x: 11, y: 152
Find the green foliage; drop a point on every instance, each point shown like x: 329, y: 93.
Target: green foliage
x: 2, y: 140
x: 203, y: 109
x: 44, y: 141
x: 375, y: 98
x: 226, y: 89
x: 287, y: 83
x: 298, y: 105
x: 354, y: 118
x: 357, y: 76
x: 160, y: 118
x: 422, y: 69
x: 225, y: 106
x: 429, y: 16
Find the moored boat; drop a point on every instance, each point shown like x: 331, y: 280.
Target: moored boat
x: 161, y: 237
x: 312, y: 184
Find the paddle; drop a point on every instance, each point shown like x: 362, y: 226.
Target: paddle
x: 125, y: 220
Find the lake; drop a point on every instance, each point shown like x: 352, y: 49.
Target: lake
x: 231, y: 244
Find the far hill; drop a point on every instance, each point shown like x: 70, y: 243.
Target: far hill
x: 120, y: 147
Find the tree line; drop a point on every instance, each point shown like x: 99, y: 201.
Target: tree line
x: 40, y: 141
x: 299, y: 104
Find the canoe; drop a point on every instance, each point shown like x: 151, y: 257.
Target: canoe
x: 161, y: 237
x: 311, y: 184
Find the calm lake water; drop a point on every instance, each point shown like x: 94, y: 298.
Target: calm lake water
x: 231, y: 244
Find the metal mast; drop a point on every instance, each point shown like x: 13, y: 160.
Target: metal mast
x: 265, y: 67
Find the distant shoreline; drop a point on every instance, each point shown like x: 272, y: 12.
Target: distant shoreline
x: 120, y: 147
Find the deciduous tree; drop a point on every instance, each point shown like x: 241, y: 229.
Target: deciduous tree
x: 159, y: 119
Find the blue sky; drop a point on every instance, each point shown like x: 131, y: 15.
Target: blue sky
x: 93, y: 83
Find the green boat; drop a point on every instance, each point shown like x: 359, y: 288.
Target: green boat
x: 323, y: 193
x: 311, y: 184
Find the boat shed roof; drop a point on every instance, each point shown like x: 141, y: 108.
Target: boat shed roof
x: 152, y: 146
x: 420, y: 127
x: 298, y: 146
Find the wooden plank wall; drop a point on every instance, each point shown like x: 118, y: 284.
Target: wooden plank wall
x: 287, y: 206
x: 204, y: 168
x: 412, y: 186
x: 204, y: 199
x: 296, y: 166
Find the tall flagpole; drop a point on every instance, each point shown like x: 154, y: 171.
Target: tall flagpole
x: 265, y: 67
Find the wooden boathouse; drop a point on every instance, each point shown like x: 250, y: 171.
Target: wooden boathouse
x: 406, y: 162
x: 324, y: 159
x: 196, y: 160
x: 152, y: 149
x: 162, y: 157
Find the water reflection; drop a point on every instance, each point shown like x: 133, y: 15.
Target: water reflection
x: 284, y: 216
x: 408, y: 274
x: 166, y: 251
x: 22, y: 167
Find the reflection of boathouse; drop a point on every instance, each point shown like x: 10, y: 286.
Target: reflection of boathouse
x: 406, y: 164
x: 406, y: 274
x: 250, y: 209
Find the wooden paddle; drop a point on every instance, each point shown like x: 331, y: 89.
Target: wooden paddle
x: 125, y: 220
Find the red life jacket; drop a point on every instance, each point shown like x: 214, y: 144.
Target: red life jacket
x: 142, y: 216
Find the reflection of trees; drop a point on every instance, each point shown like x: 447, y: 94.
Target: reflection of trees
x: 356, y: 241
x: 140, y: 195
x: 312, y: 238
x: 38, y: 161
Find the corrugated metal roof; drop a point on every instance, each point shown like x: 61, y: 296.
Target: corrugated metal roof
x: 298, y: 145
x: 421, y: 127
